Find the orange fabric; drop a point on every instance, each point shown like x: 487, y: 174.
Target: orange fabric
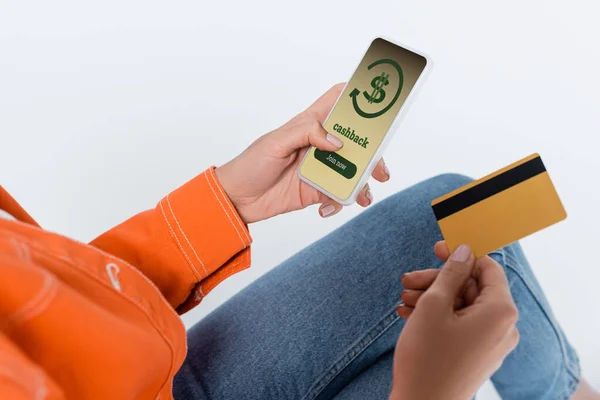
x: 100, y: 321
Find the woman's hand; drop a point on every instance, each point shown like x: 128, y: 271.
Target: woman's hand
x: 445, y: 351
x: 417, y: 282
x: 263, y: 181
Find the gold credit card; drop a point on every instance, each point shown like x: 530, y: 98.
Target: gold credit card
x: 362, y: 116
x: 500, y: 208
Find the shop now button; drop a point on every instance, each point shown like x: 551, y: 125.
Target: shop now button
x: 337, y: 163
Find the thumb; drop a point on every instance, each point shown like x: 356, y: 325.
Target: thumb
x: 308, y: 133
x: 455, y: 273
x: 321, y: 108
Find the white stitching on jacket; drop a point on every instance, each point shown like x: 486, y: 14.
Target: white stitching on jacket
x: 112, y: 271
x: 168, y: 307
x: 224, y: 210
x: 38, y: 303
x: 185, y: 236
x: 179, y: 243
x: 235, y: 214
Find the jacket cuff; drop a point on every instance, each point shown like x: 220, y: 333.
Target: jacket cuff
x: 209, y: 233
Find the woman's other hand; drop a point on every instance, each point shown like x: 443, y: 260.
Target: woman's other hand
x: 263, y: 181
x: 445, y: 351
x: 417, y: 282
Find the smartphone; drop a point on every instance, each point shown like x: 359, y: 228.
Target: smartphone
x: 365, y: 117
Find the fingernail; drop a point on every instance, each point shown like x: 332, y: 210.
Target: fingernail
x: 369, y: 195
x: 404, y: 276
x: 327, y: 210
x: 386, y: 169
x: 461, y: 254
x: 398, y: 307
x: 335, y: 141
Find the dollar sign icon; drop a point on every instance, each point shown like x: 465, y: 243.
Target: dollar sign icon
x: 378, y: 94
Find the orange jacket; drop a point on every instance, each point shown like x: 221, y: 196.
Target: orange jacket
x: 100, y: 321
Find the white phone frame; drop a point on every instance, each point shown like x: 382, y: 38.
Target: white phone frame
x: 389, y: 134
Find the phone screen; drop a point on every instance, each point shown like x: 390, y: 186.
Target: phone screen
x: 363, y: 115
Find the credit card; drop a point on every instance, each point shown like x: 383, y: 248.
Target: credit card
x: 500, y: 208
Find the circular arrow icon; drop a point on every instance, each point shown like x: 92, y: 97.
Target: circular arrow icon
x: 378, y: 93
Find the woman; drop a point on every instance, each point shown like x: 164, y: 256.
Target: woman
x: 96, y: 321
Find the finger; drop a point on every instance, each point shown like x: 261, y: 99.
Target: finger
x: 308, y: 133
x: 329, y: 208
x: 491, y: 280
x: 321, y: 108
x: 365, y: 197
x: 441, y: 250
x: 404, y: 311
x: 419, y: 279
x: 381, y: 172
x: 471, y: 291
x: 454, y: 274
x: 411, y: 297
x: 513, y: 338
x: 508, y: 342
x: 459, y: 303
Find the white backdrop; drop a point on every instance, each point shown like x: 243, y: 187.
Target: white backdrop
x: 106, y: 106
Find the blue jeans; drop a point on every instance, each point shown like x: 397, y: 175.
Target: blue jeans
x: 323, y: 324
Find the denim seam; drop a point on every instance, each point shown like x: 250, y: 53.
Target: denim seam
x: 566, y: 361
x: 572, y: 386
x: 350, y: 355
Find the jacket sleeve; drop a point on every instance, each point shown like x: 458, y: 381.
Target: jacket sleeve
x: 188, y: 244
x: 21, y: 379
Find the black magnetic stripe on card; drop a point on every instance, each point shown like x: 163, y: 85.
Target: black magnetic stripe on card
x: 487, y: 189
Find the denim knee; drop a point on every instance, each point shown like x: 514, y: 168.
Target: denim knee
x: 414, y: 203
x: 449, y: 180
x: 432, y: 188
x: 405, y: 222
